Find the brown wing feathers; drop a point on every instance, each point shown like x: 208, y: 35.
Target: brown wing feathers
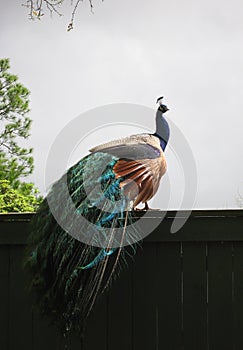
x: 141, y: 175
x: 141, y: 178
x: 124, y: 167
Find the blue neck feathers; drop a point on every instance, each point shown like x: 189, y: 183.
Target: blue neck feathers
x: 162, y: 129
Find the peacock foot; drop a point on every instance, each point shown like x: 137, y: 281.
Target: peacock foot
x: 146, y: 207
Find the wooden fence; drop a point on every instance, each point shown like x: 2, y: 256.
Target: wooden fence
x: 181, y: 291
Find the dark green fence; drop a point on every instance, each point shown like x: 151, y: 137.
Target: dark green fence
x: 181, y: 291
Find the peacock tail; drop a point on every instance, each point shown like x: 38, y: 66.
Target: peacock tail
x: 85, y: 228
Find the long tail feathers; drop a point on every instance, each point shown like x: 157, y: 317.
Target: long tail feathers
x: 67, y: 274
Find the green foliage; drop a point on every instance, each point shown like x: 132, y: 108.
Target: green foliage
x: 14, y: 124
x: 23, y: 199
x: 16, y: 161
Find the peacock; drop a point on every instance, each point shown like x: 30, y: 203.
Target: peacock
x: 84, y: 230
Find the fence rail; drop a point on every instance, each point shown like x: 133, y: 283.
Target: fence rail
x: 181, y: 291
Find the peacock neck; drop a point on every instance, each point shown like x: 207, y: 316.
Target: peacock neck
x: 162, y: 129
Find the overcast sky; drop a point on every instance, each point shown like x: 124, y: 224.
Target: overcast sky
x: 134, y: 51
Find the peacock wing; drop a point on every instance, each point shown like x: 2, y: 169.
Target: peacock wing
x: 140, y: 166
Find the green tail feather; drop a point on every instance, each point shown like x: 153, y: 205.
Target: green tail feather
x: 63, y: 289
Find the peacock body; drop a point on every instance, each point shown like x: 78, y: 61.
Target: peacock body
x: 83, y: 230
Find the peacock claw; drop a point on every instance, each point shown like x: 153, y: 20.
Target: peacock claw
x: 146, y: 207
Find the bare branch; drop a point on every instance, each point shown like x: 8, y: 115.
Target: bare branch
x: 91, y: 6
x: 37, y: 8
x: 70, y: 26
x: 53, y: 7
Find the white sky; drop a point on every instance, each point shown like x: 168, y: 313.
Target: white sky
x: 134, y: 51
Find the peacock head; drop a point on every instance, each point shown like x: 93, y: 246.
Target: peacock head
x: 162, y: 108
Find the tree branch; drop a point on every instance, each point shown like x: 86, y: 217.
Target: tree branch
x: 37, y: 8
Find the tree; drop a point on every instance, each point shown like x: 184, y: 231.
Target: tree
x: 14, y: 125
x: 16, y: 161
x: 23, y: 199
x: 38, y: 8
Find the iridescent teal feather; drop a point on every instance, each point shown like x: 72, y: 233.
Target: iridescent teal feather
x: 61, y: 267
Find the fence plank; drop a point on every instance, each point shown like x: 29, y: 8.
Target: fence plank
x: 96, y: 332
x: 20, y: 322
x: 144, y: 299
x: 220, y: 315
x: 72, y: 342
x: 169, y: 296
x: 4, y: 297
x: 238, y: 295
x: 202, y: 225
x: 194, y: 296
x: 120, y: 311
x: 45, y: 336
